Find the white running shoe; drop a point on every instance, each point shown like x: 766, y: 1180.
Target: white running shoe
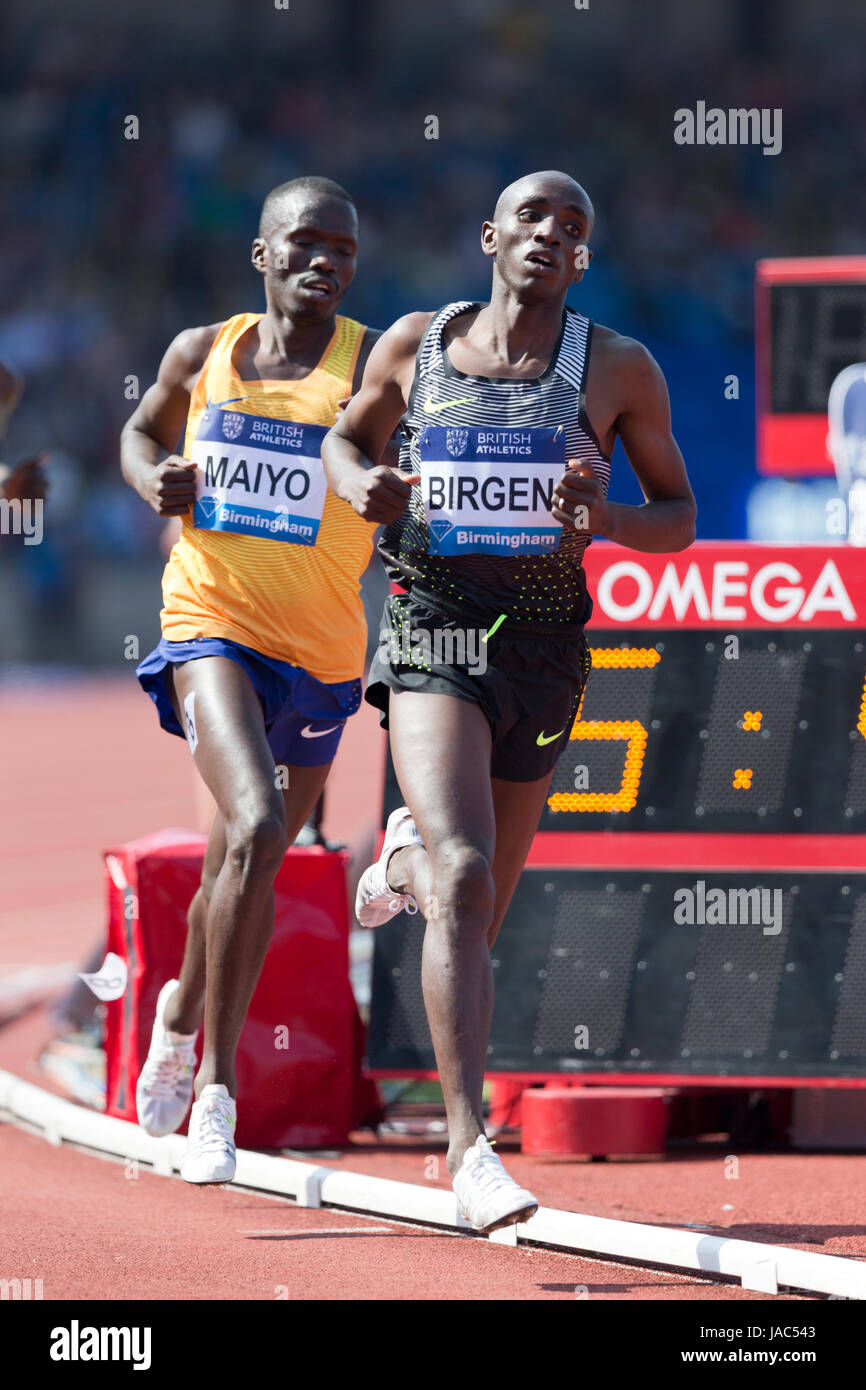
x: 375, y: 902
x: 164, y: 1088
x: 210, y: 1149
x: 486, y: 1195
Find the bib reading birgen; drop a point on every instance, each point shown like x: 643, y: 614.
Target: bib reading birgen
x: 258, y: 477
x: 478, y: 529
x: 490, y: 491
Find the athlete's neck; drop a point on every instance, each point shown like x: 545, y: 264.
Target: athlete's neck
x: 517, y: 332
x: 286, y: 340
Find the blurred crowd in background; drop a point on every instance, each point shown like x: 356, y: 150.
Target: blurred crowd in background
x: 109, y: 246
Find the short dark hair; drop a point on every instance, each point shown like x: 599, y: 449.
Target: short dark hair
x: 307, y: 183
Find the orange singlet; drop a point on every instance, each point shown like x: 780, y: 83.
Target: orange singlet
x: 269, y: 557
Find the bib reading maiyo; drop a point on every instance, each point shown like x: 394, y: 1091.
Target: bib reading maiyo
x: 267, y: 556
x: 259, y: 477
x: 490, y: 491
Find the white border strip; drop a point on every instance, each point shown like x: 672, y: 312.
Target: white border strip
x: 758, y: 1266
x: 33, y: 979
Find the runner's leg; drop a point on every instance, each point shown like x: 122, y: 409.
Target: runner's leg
x: 183, y: 1012
x: 457, y: 980
x: 517, y: 807
x: 441, y: 751
x: 301, y: 796
x: 233, y: 757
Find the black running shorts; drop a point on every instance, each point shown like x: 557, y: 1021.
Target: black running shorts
x: 528, y: 679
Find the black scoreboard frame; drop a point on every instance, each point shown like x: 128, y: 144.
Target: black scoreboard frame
x: 803, y: 684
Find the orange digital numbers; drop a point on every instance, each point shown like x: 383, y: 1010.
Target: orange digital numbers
x: 629, y: 731
x: 750, y: 723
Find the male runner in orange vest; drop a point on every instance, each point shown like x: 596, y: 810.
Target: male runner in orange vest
x: 263, y: 629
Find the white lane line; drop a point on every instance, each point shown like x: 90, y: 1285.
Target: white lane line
x: 35, y: 977
x: 324, y: 1231
x: 759, y: 1266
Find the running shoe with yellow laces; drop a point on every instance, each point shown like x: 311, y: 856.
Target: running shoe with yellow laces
x: 210, y: 1149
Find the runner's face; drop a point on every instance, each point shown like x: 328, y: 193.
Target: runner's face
x: 540, y: 240
x: 312, y: 256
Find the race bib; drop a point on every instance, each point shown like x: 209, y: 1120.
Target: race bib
x: 490, y: 491
x: 259, y: 477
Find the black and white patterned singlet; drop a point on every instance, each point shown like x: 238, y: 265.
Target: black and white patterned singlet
x: 469, y: 426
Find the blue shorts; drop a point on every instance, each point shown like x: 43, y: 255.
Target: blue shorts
x: 304, y: 718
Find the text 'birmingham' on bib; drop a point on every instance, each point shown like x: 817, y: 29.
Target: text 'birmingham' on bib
x: 490, y: 491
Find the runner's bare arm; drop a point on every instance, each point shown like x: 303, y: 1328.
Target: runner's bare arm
x: 666, y: 520
x: 352, y: 449
x: 368, y: 342
x: 391, y: 452
x: 164, y: 479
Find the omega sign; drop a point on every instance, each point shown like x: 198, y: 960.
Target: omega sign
x: 717, y: 585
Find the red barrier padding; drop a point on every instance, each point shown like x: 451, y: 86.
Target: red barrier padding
x: 594, y: 1120
x: 306, y: 1094
x: 504, y: 1099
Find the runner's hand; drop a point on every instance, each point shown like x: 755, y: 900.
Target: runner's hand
x: 381, y: 494
x: 170, y: 486
x: 579, y: 500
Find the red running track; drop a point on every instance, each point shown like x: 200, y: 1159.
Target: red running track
x: 87, y: 765
x: 91, y: 1230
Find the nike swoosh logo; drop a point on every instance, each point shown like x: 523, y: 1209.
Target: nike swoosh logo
x: 543, y: 739
x: 433, y: 407
x: 317, y: 733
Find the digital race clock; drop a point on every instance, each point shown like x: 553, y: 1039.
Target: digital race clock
x: 728, y: 694
x: 719, y: 755
x: 810, y: 322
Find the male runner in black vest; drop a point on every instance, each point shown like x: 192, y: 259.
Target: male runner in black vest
x: 512, y: 409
